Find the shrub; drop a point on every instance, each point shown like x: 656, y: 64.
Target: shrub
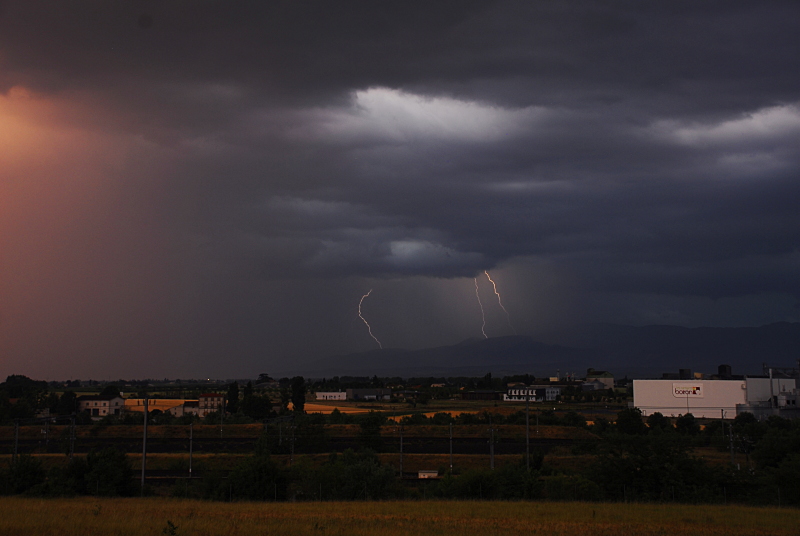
x: 22, y: 475
x: 109, y: 473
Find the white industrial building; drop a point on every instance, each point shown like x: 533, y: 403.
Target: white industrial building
x: 356, y: 394
x: 715, y: 398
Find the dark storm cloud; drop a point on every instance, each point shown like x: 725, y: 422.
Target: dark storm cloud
x: 280, y: 158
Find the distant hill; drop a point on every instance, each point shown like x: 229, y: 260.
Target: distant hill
x: 645, y: 351
x: 666, y: 348
x: 498, y: 355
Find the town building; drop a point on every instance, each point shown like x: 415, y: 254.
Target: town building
x: 209, y: 403
x: 537, y: 393
x: 369, y: 394
x: 601, y: 376
x: 594, y: 385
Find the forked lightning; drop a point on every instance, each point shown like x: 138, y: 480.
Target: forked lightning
x: 365, y: 320
x: 483, y: 316
x: 500, y: 301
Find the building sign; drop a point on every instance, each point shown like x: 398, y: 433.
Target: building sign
x: 690, y: 390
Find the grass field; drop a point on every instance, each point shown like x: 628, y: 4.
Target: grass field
x: 148, y: 517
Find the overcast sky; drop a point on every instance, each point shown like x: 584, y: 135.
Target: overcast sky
x: 207, y: 189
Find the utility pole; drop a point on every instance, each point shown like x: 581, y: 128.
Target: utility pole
x: 291, y: 454
x: 144, y: 443
x: 16, y: 441
x: 491, y: 444
x: 771, y: 391
x: 451, y: 448
x: 401, y: 451
x: 527, y: 429
x: 191, y: 437
x: 222, y: 416
x: 72, y: 437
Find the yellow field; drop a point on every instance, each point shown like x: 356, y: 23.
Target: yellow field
x: 140, y: 517
x: 327, y: 409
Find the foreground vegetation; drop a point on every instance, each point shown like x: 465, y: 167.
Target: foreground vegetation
x: 140, y: 517
x: 627, y: 460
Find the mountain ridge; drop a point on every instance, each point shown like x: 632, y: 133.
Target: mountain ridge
x: 635, y: 351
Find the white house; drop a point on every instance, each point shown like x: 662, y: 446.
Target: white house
x: 101, y: 406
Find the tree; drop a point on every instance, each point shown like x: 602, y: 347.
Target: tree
x: 687, y: 424
x: 32, y: 395
x: 658, y: 423
x: 255, y: 406
x: 572, y: 418
x: 749, y: 431
x: 67, y: 404
x: 18, y: 386
x: 629, y: 421
x: 299, y: 394
x: 776, y: 446
x: 257, y: 478
x: 337, y: 417
x: 286, y: 397
x: 232, y: 398
x: 110, y: 390
x: 22, y: 475
x: 651, y: 467
x: 370, y: 436
x: 486, y: 383
x: 68, y: 480
x: 352, y: 476
x: 109, y: 473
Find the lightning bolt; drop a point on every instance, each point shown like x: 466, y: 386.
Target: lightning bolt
x: 365, y: 320
x: 500, y: 301
x: 483, y: 316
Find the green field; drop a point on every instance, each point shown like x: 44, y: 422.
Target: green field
x: 152, y: 516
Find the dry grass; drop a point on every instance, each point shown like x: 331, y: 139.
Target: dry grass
x: 140, y: 517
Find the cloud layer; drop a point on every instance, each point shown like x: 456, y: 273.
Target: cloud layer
x: 195, y: 189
